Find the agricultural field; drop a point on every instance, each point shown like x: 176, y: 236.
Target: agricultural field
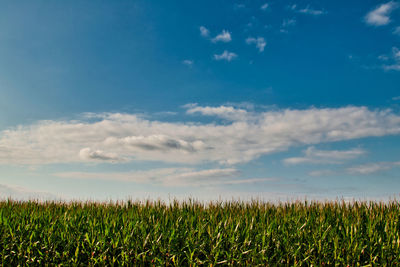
x: 192, y: 233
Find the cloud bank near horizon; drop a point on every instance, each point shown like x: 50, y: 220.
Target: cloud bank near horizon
x: 242, y: 135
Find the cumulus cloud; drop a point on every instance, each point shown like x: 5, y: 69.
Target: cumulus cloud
x: 224, y: 37
x: 225, y: 112
x: 156, y: 142
x: 381, y: 15
x: 204, y: 31
x: 226, y: 55
x: 312, y: 155
x: 259, y: 42
x: 98, y: 155
x: 242, y: 137
x: 373, y: 167
x: 185, y: 177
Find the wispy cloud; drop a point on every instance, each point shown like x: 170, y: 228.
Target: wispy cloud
x: 381, y: 15
x: 321, y: 173
x: 373, y: 167
x: 153, y: 176
x: 264, y: 6
x: 182, y: 177
x: 392, y: 61
x: 396, y: 30
x: 188, y: 62
x: 202, y: 177
x: 226, y: 55
x: 315, y: 156
x: 242, y: 137
x: 239, y: 6
x: 383, y: 57
x: 308, y: 10
x: 204, y: 31
x: 259, y: 42
x: 224, y: 37
x: 286, y: 23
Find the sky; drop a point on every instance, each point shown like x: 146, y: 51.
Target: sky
x: 210, y: 100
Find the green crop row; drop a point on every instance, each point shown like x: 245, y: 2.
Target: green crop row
x: 192, y: 233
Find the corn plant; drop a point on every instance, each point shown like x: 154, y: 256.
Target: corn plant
x: 193, y: 233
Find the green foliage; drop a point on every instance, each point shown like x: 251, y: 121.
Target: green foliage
x: 192, y: 233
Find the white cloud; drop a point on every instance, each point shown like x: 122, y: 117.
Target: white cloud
x: 373, y: 167
x: 395, y: 67
x: 226, y: 55
x: 245, y: 135
x: 396, y: 53
x: 224, y: 36
x: 286, y: 24
x: 156, y: 142
x: 98, y: 155
x: 188, y: 62
x: 225, y: 112
x: 204, y: 31
x: 383, y: 57
x: 381, y: 15
x: 312, y: 155
x: 264, y: 6
x: 308, y: 10
x: 311, y: 11
x: 393, y: 61
x: 171, y: 177
x: 259, y: 42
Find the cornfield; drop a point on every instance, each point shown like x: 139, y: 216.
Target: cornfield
x: 193, y: 233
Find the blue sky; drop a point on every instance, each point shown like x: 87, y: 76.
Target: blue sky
x: 210, y: 99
